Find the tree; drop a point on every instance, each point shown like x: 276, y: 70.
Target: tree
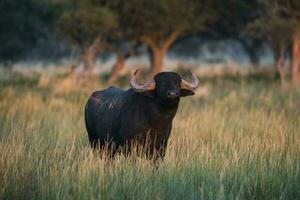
x: 88, y: 24
x: 94, y: 25
x: 235, y: 14
x: 277, y: 32
x: 279, y: 24
x: 22, y: 23
x: 122, y: 54
x: 292, y: 9
x: 296, y: 58
x: 159, y: 24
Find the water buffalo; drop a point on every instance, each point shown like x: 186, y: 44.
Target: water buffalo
x: 143, y: 114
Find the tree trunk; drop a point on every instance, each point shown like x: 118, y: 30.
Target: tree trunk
x: 90, y: 56
x: 296, y: 59
x: 156, y: 60
x: 158, y: 50
x: 121, y: 59
x: 120, y: 62
x: 74, y: 66
x: 119, y: 65
x: 281, y: 66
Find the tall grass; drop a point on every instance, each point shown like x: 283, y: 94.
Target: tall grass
x: 242, y: 142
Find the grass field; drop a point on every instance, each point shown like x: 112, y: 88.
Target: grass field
x: 241, y: 142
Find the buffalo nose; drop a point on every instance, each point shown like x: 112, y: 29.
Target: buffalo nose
x: 172, y: 94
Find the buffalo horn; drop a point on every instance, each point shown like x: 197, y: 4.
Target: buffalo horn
x: 141, y: 87
x: 192, y: 85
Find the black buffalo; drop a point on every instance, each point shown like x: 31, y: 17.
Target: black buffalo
x: 142, y: 115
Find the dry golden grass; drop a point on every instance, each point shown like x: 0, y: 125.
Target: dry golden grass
x: 241, y: 142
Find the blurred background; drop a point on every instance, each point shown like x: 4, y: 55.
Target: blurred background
x: 88, y: 38
x: 237, y: 138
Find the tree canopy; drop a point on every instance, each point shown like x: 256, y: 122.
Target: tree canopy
x: 85, y: 20
x: 22, y: 23
x: 159, y: 24
x: 95, y: 25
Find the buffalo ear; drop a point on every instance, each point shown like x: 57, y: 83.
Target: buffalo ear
x: 186, y: 92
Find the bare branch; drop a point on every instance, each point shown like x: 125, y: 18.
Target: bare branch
x: 149, y: 41
x: 170, y: 40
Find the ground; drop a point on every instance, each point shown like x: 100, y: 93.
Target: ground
x: 242, y: 141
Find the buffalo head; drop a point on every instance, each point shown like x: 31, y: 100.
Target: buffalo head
x: 167, y: 87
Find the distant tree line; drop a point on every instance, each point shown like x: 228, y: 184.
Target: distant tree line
x: 121, y: 27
